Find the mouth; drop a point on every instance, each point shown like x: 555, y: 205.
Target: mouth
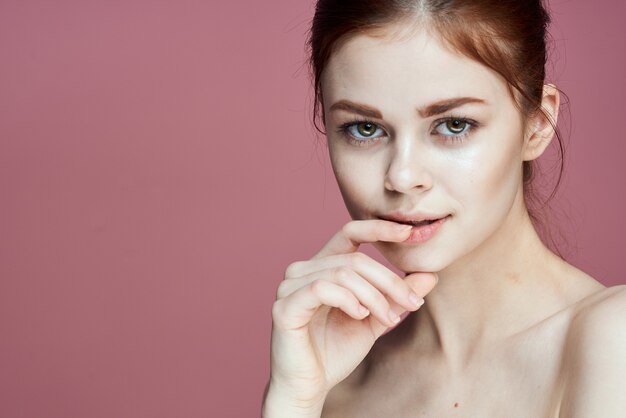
x: 425, y: 226
x: 414, y: 220
x: 419, y: 223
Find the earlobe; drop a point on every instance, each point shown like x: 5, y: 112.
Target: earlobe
x: 540, y: 130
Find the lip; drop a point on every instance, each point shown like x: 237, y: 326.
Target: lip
x: 415, y: 217
x: 422, y: 233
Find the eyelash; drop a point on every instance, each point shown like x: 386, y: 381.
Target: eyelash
x: 344, y: 130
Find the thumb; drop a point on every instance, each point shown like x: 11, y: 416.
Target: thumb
x: 422, y: 282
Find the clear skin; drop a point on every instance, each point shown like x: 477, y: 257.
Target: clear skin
x: 489, y: 282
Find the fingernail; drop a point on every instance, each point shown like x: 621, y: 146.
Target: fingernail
x: 393, y: 317
x: 402, y: 227
x: 414, y: 299
x: 363, y: 310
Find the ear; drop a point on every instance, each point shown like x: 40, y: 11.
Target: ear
x: 539, y: 131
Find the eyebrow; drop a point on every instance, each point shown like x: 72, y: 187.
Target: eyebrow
x: 432, y: 109
x: 447, y: 104
x: 360, y: 109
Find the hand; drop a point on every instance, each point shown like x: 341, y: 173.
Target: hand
x: 331, y: 309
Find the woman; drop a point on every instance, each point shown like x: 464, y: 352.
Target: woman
x: 434, y: 113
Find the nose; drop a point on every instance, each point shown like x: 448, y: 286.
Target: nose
x: 409, y: 166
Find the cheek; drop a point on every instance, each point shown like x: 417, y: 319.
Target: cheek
x: 358, y: 182
x: 491, y: 180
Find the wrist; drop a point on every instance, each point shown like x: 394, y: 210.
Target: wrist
x: 278, y: 404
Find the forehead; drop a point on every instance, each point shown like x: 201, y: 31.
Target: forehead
x: 411, y: 70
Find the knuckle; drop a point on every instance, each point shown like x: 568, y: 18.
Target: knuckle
x: 358, y: 258
x: 282, y: 290
x: 278, y: 310
x: 346, y: 229
x: 342, y: 273
x: 318, y: 286
x: 293, y: 269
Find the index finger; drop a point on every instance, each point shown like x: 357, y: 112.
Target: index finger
x: 355, y: 233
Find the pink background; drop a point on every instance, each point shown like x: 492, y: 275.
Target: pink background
x: 158, y: 172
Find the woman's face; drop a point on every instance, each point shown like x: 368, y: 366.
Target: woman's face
x: 394, y: 153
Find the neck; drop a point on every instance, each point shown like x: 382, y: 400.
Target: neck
x: 487, y: 295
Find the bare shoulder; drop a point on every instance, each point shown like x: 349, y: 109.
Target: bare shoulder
x: 595, y: 357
